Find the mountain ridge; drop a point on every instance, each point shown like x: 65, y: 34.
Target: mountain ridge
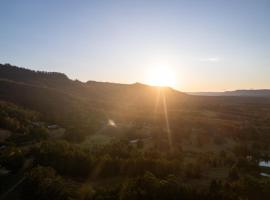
x: 240, y: 92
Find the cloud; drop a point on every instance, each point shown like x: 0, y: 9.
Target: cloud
x: 212, y: 59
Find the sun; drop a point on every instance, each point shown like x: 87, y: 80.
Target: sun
x: 161, y: 76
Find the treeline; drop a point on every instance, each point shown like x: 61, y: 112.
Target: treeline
x: 126, y: 160
x: 122, y: 159
x: 117, y: 158
x: 11, y: 72
x: 44, y: 183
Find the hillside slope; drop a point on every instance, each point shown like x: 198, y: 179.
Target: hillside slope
x: 81, y: 105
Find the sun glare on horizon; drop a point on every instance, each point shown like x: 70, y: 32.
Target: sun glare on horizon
x: 161, y: 76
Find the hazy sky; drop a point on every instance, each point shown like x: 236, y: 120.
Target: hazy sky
x: 209, y: 45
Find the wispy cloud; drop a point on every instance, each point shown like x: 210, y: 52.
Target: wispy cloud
x: 211, y: 59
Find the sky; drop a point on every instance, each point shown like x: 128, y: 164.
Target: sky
x: 208, y: 45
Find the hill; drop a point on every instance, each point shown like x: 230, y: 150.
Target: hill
x: 78, y: 105
x: 92, y: 90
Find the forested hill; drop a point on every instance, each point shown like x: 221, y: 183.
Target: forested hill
x: 76, y: 104
x: 92, y: 90
x: 10, y: 72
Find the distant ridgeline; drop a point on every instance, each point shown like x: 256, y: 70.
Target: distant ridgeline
x: 10, y: 72
x: 237, y: 93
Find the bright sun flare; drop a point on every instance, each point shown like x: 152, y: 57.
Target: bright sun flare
x: 161, y: 76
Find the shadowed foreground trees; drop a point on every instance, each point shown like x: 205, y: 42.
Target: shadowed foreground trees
x: 43, y: 183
